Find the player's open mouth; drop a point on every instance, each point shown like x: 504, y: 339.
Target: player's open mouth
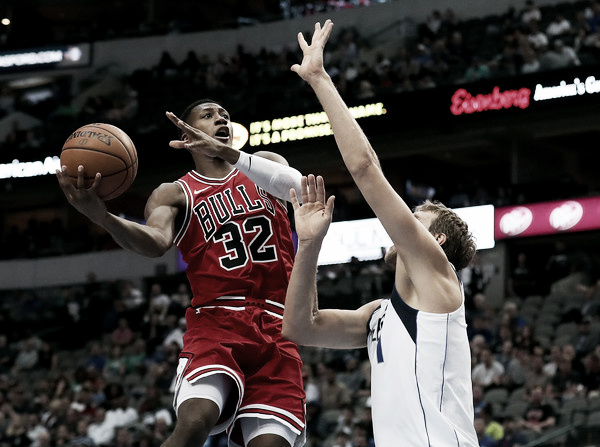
x: 222, y: 134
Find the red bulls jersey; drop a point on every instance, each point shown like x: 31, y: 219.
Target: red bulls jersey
x: 235, y: 238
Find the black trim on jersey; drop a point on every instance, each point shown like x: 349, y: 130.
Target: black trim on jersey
x: 371, y: 317
x: 407, y: 314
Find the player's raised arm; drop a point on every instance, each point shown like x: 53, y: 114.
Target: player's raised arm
x: 303, y: 321
x: 421, y: 254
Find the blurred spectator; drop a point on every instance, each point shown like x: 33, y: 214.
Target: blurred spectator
x: 487, y: 372
x: 539, y: 414
x: 531, y: 62
x: 559, y: 263
x: 96, y: 359
x: 478, y: 399
x: 513, y: 434
x: 559, y: 26
x: 175, y: 328
x: 16, y: 431
x: 352, y: 376
x: 123, y: 438
x: 484, y: 439
x: 567, y: 379
x: 159, y: 301
x: 530, y: 12
x: 27, y: 355
x: 551, y: 365
x: 536, y: 37
x: 81, y: 438
x: 122, y: 335
x: 515, y: 375
x: 534, y: 374
x: 591, y: 375
x: 333, y: 394
x: 135, y: 357
x: 493, y: 428
x: 310, y: 387
x: 506, y: 354
x: 6, y: 354
x: 132, y: 299
x: 586, y: 339
x: 115, y: 363
x: 180, y: 300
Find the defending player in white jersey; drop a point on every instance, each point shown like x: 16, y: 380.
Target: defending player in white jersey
x: 417, y: 339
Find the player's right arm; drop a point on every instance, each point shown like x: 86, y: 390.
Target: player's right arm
x: 153, y: 239
x: 426, y: 264
x: 303, y: 322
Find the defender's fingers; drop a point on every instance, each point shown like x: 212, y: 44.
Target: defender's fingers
x: 327, y: 29
x: 320, y: 189
x: 304, y: 184
x: 330, y: 205
x: 302, y: 41
x: 312, y: 187
x: 294, y: 199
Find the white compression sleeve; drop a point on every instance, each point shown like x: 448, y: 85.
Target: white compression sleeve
x: 275, y: 178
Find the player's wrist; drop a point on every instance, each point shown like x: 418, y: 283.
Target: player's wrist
x: 319, y: 77
x: 243, y: 161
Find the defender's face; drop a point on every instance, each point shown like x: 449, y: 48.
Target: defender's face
x: 213, y: 120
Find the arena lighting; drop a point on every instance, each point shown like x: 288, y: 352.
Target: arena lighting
x: 366, y: 238
x: 64, y: 56
x: 301, y: 127
x: 19, y: 169
x: 564, y: 216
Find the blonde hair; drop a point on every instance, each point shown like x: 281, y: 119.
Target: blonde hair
x: 460, y: 245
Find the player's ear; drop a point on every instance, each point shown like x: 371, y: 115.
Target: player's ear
x: 440, y: 238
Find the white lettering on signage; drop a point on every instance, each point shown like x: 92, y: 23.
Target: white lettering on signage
x: 300, y: 127
x: 18, y: 169
x: 564, y: 90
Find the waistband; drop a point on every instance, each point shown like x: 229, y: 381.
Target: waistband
x: 238, y: 303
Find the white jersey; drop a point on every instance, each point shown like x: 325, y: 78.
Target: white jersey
x: 421, y: 392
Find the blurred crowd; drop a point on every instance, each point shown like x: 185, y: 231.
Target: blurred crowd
x: 443, y: 50
x: 93, y: 364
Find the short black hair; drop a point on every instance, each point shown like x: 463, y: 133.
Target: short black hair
x: 188, y: 110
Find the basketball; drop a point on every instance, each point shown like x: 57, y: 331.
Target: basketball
x: 102, y: 148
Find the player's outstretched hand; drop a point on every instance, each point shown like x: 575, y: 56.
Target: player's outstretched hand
x: 312, y: 60
x: 194, y: 139
x: 85, y: 200
x: 313, y: 217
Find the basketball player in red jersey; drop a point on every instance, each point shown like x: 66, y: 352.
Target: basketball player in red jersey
x: 228, y: 218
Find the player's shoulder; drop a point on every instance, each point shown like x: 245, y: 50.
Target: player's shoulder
x: 169, y: 193
x: 273, y: 156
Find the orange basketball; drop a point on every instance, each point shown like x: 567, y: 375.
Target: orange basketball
x: 102, y: 148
